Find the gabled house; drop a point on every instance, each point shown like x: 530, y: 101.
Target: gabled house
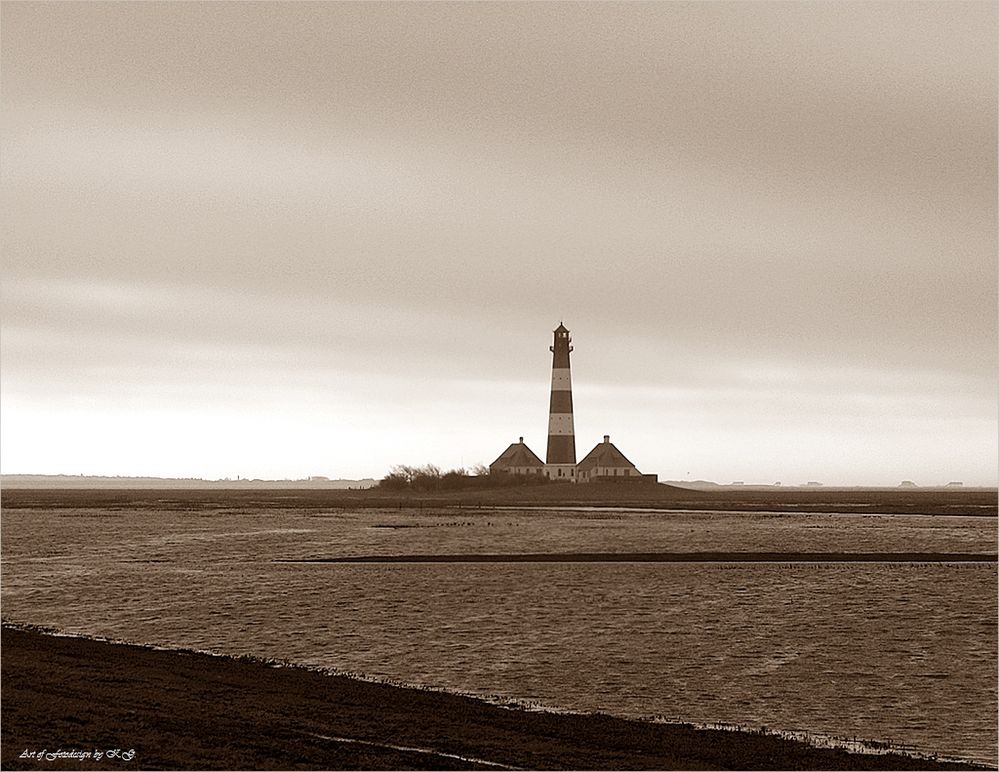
x: 606, y: 463
x: 517, y: 459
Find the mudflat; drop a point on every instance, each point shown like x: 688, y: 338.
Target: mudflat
x: 186, y: 710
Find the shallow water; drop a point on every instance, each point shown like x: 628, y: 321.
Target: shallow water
x: 882, y: 651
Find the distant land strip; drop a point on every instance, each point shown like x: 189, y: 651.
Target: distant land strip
x: 666, y: 557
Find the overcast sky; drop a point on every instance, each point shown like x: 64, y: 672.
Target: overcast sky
x: 291, y: 239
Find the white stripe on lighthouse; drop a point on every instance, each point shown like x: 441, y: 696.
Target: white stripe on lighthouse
x: 560, y: 379
x: 560, y: 423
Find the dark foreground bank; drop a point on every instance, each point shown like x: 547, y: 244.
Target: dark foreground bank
x: 179, y: 710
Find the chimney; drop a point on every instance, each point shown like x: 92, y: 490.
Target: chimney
x: 521, y: 440
x: 606, y: 438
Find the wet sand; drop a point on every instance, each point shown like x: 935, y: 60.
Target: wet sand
x: 184, y: 710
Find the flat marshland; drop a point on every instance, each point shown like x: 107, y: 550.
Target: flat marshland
x: 832, y: 622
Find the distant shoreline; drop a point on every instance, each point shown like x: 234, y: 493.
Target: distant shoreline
x: 186, y: 710
x: 99, y: 482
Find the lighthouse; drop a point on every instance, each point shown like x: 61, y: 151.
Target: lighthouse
x: 560, y: 463
x: 605, y: 463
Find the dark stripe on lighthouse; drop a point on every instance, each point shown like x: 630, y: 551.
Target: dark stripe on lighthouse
x: 561, y: 402
x: 561, y: 449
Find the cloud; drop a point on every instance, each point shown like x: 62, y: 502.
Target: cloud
x: 396, y: 225
x: 744, y: 210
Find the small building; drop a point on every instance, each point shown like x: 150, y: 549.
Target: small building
x: 517, y: 459
x: 606, y: 463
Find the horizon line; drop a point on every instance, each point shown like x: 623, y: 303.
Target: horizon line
x: 812, y: 484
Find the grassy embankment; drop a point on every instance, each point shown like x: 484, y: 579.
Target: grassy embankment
x: 657, y: 496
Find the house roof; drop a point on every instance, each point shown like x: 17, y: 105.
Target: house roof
x: 604, y: 454
x: 518, y: 454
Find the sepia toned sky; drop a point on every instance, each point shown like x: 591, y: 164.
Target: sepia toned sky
x: 289, y: 239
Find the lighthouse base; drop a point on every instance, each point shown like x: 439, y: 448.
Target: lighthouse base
x: 561, y: 472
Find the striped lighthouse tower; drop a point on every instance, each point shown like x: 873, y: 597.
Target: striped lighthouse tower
x: 561, y: 458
